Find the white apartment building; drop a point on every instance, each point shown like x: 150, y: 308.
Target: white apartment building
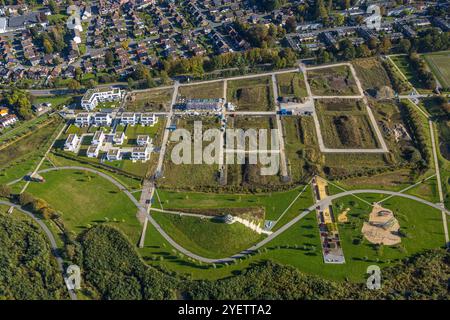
x: 143, y: 140
x: 99, y: 137
x: 148, y: 119
x: 119, y: 137
x: 114, y: 154
x: 72, y: 143
x: 129, y: 118
x: 93, y: 150
x: 83, y: 120
x: 102, y: 120
x: 92, y: 97
x: 140, y: 154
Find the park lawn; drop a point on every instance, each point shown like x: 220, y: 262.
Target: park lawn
x: 84, y: 199
x: 371, y: 73
x: 291, y: 85
x: 332, y: 81
x: 213, y: 90
x: 148, y: 101
x: 274, y: 203
x: 391, y: 180
x: 254, y: 94
x: 138, y: 168
x: 439, y: 63
x: 426, y: 190
x: 209, y: 238
x: 128, y: 182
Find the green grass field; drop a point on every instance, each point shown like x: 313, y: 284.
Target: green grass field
x: 84, y: 199
x: 208, y: 238
x: 439, y: 64
x: 253, y: 94
x: 402, y: 62
x: 22, y: 156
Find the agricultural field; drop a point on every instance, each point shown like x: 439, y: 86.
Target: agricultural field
x: 190, y: 176
x: 203, y: 91
x: 253, y: 94
x: 345, y: 124
x: 372, y: 74
x: 291, y: 85
x: 332, y: 81
x: 150, y: 101
x: 439, y: 63
x: 80, y: 198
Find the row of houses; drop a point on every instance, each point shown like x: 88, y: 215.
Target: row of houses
x: 104, y: 119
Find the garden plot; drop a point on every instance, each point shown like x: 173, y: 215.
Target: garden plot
x: 150, y: 101
x: 254, y: 94
x: 344, y: 124
x: 335, y: 80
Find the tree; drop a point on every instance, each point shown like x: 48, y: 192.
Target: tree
x: 109, y: 58
x: 405, y: 45
x: 25, y: 199
x: 73, y: 84
x: 5, y: 191
x: 48, y: 47
x: 291, y: 24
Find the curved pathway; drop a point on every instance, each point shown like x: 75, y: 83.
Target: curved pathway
x: 260, y: 244
x: 49, y: 235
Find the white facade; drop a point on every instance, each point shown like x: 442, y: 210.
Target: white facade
x: 93, y: 150
x: 114, y: 154
x: 92, y: 97
x: 143, y: 140
x: 99, y: 137
x: 83, y: 120
x: 102, y: 120
x: 119, y: 137
x: 129, y: 118
x: 148, y: 119
x: 140, y: 154
x: 72, y: 143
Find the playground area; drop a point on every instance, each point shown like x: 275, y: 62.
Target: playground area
x: 382, y: 227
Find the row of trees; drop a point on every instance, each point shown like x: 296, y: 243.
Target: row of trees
x: 424, y: 77
x: 415, y: 123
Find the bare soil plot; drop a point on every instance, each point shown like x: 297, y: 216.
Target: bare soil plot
x: 371, y: 73
x: 291, y: 85
x: 332, y: 81
x: 345, y: 124
x: 202, y: 91
x: 254, y: 94
x: 190, y: 176
x: 150, y: 101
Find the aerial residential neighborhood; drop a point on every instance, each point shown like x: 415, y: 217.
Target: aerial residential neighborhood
x: 224, y: 150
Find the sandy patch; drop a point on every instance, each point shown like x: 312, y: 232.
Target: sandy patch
x: 382, y: 227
